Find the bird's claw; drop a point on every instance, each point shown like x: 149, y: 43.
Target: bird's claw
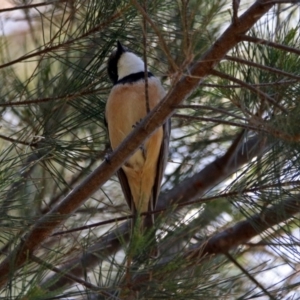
x: 107, y: 157
x: 137, y: 123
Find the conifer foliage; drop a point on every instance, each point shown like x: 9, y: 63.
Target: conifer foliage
x: 227, y: 217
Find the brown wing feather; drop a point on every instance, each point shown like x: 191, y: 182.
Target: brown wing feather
x: 126, y: 189
x: 123, y: 180
x: 161, y: 164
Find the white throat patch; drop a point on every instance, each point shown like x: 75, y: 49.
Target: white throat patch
x: 129, y: 63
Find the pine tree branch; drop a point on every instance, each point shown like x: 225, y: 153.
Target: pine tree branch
x: 34, y: 5
x: 232, y: 86
x: 162, y: 41
x: 51, y: 48
x: 195, y: 186
x: 250, y: 276
x: 263, y: 96
x: 72, y: 182
x: 218, y: 121
x: 243, y: 231
x: 14, y: 141
x: 224, y: 112
x: 236, y: 156
x: 227, y: 240
x: 87, y: 90
x: 24, y: 172
x: 270, y: 44
x: 92, y: 257
x: 49, y: 266
x: 262, y: 67
x: 45, y: 226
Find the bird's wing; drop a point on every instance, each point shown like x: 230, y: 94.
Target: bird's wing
x: 123, y: 181
x: 126, y: 189
x: 161, y: 164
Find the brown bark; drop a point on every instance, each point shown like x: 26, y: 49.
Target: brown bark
x: 245, y: 230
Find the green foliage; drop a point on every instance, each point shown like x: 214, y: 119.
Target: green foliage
x: 53, y: 89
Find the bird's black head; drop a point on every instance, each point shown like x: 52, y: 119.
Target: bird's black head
x: 112, y: 65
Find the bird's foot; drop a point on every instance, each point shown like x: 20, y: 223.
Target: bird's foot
x: 107, y: 157
x: 137, y: 123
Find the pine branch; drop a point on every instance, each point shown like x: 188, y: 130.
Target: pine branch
x: 219, y: 121
x: 252, y: 278
x: 263, y: 67
x: 34, y: 5
x: 234, y: 158
x: 227, y: 240
x: 251, y: 88
x: 214, y: 173
x: 51, y: 48
x: 270, y: 44
x: 45, y: 226
x: 243, y: 231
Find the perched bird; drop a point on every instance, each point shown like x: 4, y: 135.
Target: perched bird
x: 141, y: 175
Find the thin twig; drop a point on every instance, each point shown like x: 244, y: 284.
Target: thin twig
x: 214, y: 109
x: 186, y: 39
x: 47, y: 49
x: 269, y: 43
x: 261, y: 94
x: 234, y: 261
x: 145, y: 59
x: 88, y: 285
x: 3, y: 137
x: 263, y: 67
x: 164, y: 46
x: 218, y: 121
x: 270, y: 244
x: 265, y: 84
x: 32, y: 5
x: 235, y: 8
x: 66, y: 97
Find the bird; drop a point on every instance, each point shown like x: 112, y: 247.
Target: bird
x: 141, y: 175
